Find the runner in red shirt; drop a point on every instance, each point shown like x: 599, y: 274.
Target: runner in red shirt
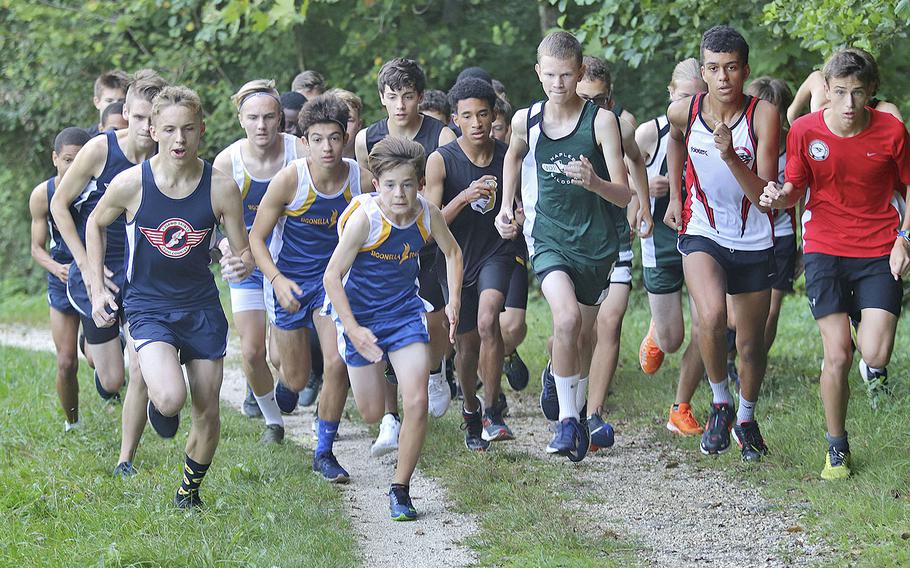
x: 856, y: 161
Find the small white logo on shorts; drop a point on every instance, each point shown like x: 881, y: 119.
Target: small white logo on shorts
x: 818, y: 150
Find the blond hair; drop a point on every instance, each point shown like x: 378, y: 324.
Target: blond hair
x: 253, y: 88
x: 145, y: 84
x: 180, y: 96
x: 354, y: 102
x: 394, y: 151
x: 688, y: 70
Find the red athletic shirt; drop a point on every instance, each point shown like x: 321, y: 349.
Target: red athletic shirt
x: 852, y: 181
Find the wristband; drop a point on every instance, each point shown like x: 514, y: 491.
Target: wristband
x: 903, y: 234
x: 272, y: 279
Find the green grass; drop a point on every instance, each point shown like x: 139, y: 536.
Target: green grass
x: 60, y: 505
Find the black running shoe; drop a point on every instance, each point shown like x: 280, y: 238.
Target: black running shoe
x: 250, y: 406
x: 748, y: 436
x: 125, y: 470
x: 516, y: 371
x: 188, y: 500
x: 495, y: 428
x: 104, y: 394
x: 473, y: 430
x: 286, y: 398
x: 311, y: 390
x: 549, y: 400
x: 716, y: 438
x: 165, y: 426
x: 273, y: 434
x: 326, y: 465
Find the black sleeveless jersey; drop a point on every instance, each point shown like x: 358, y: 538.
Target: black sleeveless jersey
x: 427, y: 136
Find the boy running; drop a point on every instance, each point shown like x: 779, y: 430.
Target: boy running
x: 371, y: 284
x: 292, y: 239
x: 854, y: 158
x: 569, y: 229
x: 173, y: 202
x: 64, y: 317
x: 729, y: 142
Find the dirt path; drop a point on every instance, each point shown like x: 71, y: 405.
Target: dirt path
x: 435, y: 540
x: 681, y: 511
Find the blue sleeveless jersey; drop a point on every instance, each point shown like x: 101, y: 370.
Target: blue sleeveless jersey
x: 88, y: 200
x: 382, y: 282
x: 58, y: 251
x: 169, y: 242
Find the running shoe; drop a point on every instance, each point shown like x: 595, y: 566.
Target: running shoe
x: 387, y: 440
x: 877, y: 388
x: 250, y: 407
x: 837, y: 464
x: 438, y: 394
x: 515, y: 371
x: 273, y: 434
x: 682, y: 421
x: 750, y: 441
x: 600, y: 433
x: 104, y: 394
x: 165, y: 426
x: 70, y: 426
x: 472, y: 424
x: 549, y: 400
x: 400, y: 506
x: 311, y: 390
x: 650, y: 357
x: 286, y: 398
x: 189, y: 500
x: 494, y: 427
x: 327, y: 465
x: 125, y: 470
x: 570, y: 440
x: 716, y: 438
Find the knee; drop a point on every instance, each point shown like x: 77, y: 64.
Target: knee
x: 713, y: 320
x: 333, y: 368
x: 876, y: 358
x: 751, y: 350
x: 839, y: 361
x: 372, y: 412
x: 488, y: 327
x: 67, y: 364
x: 415, y: 407
x: 609, y: 326
x: 671, y: 338
x: 567, y: 325
x: 170, y: 403
x: 253, y: 352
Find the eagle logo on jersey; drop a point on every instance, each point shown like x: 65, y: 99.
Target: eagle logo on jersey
x: 818, y: 150
x: 174, y: 238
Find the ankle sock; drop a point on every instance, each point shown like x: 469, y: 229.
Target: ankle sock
x: 720, y: 392
x: 746, y: 411
x: 566, y: 389
x: 839, y: 443
x: 326, y: 431
x: 581, y: 393
x: 269, y: 407
x: 193, y: 473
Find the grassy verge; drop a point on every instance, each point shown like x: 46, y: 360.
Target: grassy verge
x: 60, y: 506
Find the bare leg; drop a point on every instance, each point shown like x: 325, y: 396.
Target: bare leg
x: 205, y: 377
x: 108, y: 357
x: 669, y: 327
x: 412, y: 367
x: 751, y: 315
x: 777, y: 299
x: 466, y: 361
x: 65, y: 332
x: 606, y: 350
x: 335, y: 373
x: 133, y: 418
x: 707, y: 287
x: 835, y: 388
x: 691, y: 368
x: 491, y: 344
x: 251, y: 326
x: 294, y: 352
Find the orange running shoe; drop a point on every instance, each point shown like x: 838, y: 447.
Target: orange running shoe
x: 649, y: 354
x: 682, y: 422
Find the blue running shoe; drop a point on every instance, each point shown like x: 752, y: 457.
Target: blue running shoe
x: 104, y: 394
x: 515, y: 371
x: 327, y: 465
x: 286, y: 398
x: 311, y: 390
x: 570, y: 440
x: 165, y: 426
x: 716, y: 437
x: 250, y: 407
x: 600, y: 432
x: 125, y: 470
x: 549, y: 400
x: 400, y: 506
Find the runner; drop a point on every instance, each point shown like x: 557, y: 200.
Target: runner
x: 252, y: 162
x: 662, y: 264
x: 370, y: 282
x: 308, y: 83
x: 110, y: 87
x: 292, y: 239
x: 502, y: 120
x: 463, y: 177
x: 730, y: 143
x: 173, y: 203
x: 112, y: 117
x: 786, y: 253
x: 854, y: 158
x: 291, y: 103
x: 435, y: 104
x: 569, y: 229
x: 401, y: 85
x: 355, y: 118
x: 64, y: 317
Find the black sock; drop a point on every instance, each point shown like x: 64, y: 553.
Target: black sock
x: 839, y: 443
x: 398, y: 487
x: 193, y: 473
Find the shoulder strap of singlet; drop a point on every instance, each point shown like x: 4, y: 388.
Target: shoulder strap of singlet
x: 661, y: 132
x: 290, y: 148
x: 535, y: 117
x: 50, y: 192
x: 694, y: 109
x: 238, y: 171
x: 423, y: 219
x: 751, y: 105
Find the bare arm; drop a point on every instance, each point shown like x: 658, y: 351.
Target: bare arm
x: 360, y: 149
x: 511, y: 175
x: 608, y: 135
x: 38, y: 207
x: 353, y: 234
x: 676, y: 157
x: 279, y: 194
x: 445, y: 136
x: 228, y: 207
x: 800, y: 100
x: 434, y: 187
x: 89, y: 163
x: 454, y: 267
x: 366, y: 181
x: 639, y: 216
x: 767, y: 130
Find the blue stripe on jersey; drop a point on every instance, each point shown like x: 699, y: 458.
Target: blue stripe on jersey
x: 58, y: 249
x: 169, y: 249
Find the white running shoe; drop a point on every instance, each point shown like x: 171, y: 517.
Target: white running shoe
x: 387, y: 440
x: 67, y: 426
x: 439, y: 394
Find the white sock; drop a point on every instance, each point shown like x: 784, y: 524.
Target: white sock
x: 566, y: 388
x: 746, y: 411
x: 581, y: 394
x: 721, y: 393
x: 67, y: 425
x: 269, y: 408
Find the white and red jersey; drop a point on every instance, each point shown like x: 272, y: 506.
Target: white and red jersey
x: 715, y: 205
x: 784, y: 219
x: 854, y: 183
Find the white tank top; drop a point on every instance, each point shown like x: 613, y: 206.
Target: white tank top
x: 715, y: 205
